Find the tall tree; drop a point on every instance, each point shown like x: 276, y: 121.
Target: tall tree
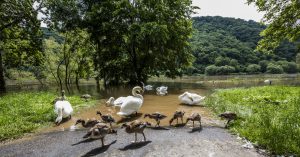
x: 20, y: 36
x: 135, y: 39
x: 283, y: 17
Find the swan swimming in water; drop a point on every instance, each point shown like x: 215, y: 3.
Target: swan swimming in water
x: 162, y: 90
x: 190, y: 98
x: 130, y: 104
x: 147, y: 87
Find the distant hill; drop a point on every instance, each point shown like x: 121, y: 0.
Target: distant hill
x: 224, y: 41
x: 47, y: 33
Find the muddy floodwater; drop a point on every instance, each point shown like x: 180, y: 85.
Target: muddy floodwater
x: 166, y: 105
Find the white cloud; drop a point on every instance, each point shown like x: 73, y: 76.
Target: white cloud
x: 228, y: 8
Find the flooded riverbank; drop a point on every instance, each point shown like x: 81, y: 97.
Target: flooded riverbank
x: 166, y: 105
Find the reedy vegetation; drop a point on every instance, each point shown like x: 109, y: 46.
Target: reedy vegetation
x: 268, y: 116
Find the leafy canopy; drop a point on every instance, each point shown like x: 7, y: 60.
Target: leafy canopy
x: 135, y: 39
x: 283, y: 18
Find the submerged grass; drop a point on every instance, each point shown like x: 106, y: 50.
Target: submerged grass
x: 24, y: 112
x: 269, y: 116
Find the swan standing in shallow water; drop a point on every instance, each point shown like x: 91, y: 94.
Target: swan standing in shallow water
x: 130, y: 104
x: 162, y: 90
x: 190, y: 98
x: 268, y: 82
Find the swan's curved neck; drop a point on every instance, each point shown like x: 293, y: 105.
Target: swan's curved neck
x: 111, y: 101
x: 139, y: 96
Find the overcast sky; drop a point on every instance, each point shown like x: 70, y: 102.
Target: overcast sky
x: 228, y: 8
x: 225, y: 8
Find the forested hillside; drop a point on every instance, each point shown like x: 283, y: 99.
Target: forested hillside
x: 227, y: 45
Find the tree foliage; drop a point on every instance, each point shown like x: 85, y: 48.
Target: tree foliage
x: 135, y: 39
x: 70, y: 60
x: 283, y: 18
x: 20, y: 35
x: 227, y: 41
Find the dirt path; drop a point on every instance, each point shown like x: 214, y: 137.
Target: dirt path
x: 180, y: 141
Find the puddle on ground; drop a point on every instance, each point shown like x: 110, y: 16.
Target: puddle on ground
x: 166, y: 105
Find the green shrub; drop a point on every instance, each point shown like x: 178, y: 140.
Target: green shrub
x: 225, y: 70
x: 274, y: 69
x: 288, y: 67
x: 263, y: 65
x: 222, y: 61
x: 253, y: 68
x: 268, y: 116
x: 211, y: 70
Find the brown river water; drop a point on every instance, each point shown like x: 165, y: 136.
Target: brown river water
x: 166, y: 105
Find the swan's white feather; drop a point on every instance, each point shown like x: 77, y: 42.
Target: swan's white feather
x: 63, y: 109
x: 190, y: 98
x: 163, y: 90
x: 128, y: 105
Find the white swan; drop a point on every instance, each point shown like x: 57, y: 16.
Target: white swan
x: 268, y: 82
x: 147, y: 87
x: 63, y: 109
x: 190, y: 98
x: 162, y: 90
x: 130, y: 104
x: 115, y: 102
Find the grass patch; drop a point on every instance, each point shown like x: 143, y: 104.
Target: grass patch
x: 24, y: 112
x: 269, y: 116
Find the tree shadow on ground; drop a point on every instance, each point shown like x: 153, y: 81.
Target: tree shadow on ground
x: 137, y: 145
x: 99, y: 150
x: 130, y: 118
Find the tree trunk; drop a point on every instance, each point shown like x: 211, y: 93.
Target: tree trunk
x: 58, y: 75
x: 77, y: 80
x: 97, y: 83
x: 136, y: 77
x: 2, y: 80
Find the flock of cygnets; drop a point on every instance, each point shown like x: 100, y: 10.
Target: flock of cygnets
x: 129, y: 106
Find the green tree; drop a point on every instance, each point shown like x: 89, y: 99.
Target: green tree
x: 283, y: 18
x: 134, y: 39
x: 69, y: 60
x: 20, y: 35
x: 216, y: 38
x: 288, y: 67
x: 222, y: 61
x: 211, y: 70
x: 253, y: 68
x: 298, y: 61
x: 274, y: 69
